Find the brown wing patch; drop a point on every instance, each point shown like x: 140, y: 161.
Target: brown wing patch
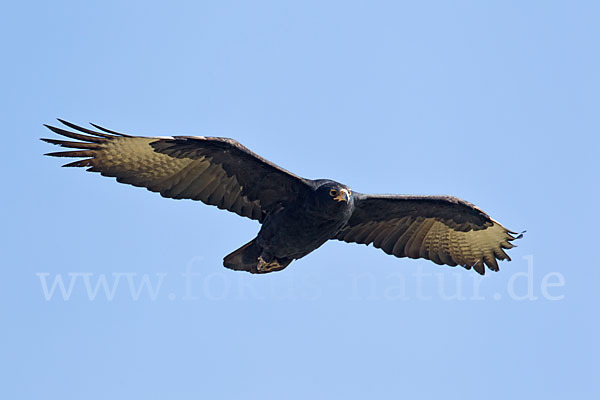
x: 435, y: 241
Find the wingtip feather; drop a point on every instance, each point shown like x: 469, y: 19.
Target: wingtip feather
x: 80, y: 163
x: 108, y: 130
x: 81, y: 153
x: 84, y: 130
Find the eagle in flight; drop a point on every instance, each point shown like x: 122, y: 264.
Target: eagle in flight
x: 297, y: 215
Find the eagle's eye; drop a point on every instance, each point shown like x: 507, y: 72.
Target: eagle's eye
x: 333, y: 192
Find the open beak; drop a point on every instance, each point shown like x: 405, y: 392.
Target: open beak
x: 343, y: 195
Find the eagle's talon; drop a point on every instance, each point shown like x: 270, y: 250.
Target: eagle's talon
x: 264, y: 266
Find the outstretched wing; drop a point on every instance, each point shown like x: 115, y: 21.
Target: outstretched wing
x: 217, y: 171
x: 443, y: 229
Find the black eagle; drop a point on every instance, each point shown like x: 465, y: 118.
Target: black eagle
x: 297, y: 215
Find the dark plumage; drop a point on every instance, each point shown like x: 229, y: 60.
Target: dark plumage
x: 297, y: 215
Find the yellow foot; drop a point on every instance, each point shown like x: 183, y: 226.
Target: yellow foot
x: 264, y: 266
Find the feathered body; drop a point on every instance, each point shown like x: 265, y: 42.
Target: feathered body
x: 305, y: 225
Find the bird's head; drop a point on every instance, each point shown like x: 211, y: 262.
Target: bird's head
x: 334, y: 193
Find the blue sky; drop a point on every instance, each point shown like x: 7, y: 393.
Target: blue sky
x: 494, y: 102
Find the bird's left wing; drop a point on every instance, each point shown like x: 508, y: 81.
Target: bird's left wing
x: 216, y: 171
x: 443, y: 229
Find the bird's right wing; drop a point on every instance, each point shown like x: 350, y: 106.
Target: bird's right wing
x: 216, y: 171
x: 443, y: 229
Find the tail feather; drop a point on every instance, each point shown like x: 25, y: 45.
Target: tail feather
x: 245, y: 258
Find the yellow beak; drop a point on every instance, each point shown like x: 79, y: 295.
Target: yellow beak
x: 343, y: 195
